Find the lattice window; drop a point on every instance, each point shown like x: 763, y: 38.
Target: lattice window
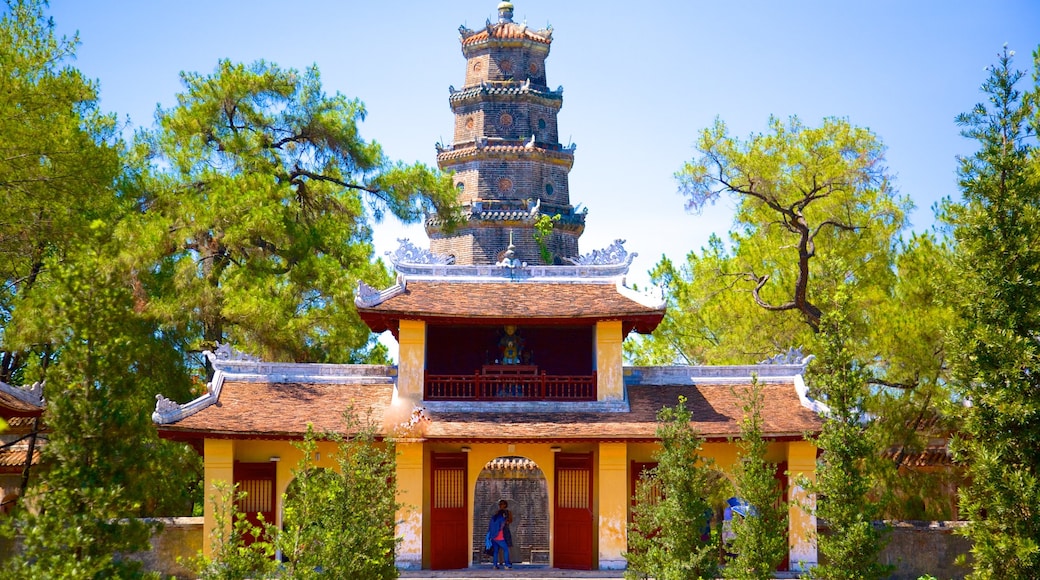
x: 258, y: 495
x: 573, y: 488
x: 449, y: 486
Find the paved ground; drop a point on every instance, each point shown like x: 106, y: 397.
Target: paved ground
x: 528, y: 571
x: 531, y: 572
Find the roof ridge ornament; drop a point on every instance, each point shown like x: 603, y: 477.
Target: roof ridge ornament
x: 409, y: 253
x: 225, y: 352
x: 793, y: 356
x: 612, y: 255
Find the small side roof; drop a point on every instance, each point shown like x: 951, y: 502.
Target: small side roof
x: 256, y: 400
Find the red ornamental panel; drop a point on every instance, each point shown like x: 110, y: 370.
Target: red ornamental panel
x: 572, y: 533
x: 449, y: 512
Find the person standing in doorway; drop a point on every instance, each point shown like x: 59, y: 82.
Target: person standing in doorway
x: 501, y: 538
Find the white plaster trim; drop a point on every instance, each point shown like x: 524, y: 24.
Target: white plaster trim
x: 652, y: 297
x: 809, y: 403
x: 711, y: 374
x: 366, y: 297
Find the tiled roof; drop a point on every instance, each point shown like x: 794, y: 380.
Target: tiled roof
x: 504, y: 31
x: 510, y: 88
x: 13, y: 460
x: 465, y: 152
x: 272, y: 409
x: 12, y: 405
x: 505, y: 299
x: 715, y: 409
x: 265, y: 410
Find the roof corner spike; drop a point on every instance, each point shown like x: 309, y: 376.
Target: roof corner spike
x: 505, y: 12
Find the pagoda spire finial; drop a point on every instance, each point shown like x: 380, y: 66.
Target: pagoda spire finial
x: 505, y: 12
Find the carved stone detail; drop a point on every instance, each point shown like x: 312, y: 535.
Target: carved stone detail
x: 164, y: 406
x: 227, y: 352
x: 613, y: 255
x: 793, y: 356
x: 408, y: 253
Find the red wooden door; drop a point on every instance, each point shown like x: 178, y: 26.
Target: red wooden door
x: 257, y: 480
x: 449, y: 513
x: 572, y: 530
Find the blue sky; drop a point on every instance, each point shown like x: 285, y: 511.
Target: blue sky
x: 640, y: 79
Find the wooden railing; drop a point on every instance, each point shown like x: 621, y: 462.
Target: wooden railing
x: 510, y: 383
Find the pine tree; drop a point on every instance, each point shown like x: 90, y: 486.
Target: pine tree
x: 761, y: 535
x: 997, y: 367
x: 670, y: 536
x: 851, y: 545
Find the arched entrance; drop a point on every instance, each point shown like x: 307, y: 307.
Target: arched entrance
x: 522, y: 483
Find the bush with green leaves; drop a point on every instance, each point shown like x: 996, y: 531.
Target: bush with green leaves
x: 670, y: 537
x: 760, y: 541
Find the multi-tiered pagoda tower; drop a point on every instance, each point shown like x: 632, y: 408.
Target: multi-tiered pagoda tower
x: 510, y: 167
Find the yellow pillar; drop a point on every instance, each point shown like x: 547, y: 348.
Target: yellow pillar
x: 609, y: 378
x: 613, y: 505
x: 412, y: 357
x: 219, y: 466
x: 410, y: 497
x: 801, y: 462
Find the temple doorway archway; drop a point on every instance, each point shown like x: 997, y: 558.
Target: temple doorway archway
x: 522, y: 483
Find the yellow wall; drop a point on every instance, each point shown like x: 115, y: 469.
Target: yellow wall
x: 410, y: 494
x: 609, y: 377
x: 219, y: 466
x: 801, y: 462
x: 412, y: 357
x: 612, y: 483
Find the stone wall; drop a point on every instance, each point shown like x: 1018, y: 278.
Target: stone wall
x: 180, y: 539
x: 522, y: 484
x: 920, y: 548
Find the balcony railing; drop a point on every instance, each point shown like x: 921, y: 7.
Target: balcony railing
x: 510, y: 383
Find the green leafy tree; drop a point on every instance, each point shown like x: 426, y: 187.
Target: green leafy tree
x: 58, y: 162
x: 803, y: 194
x: 850, y: 547
x: 760, y: 541
x: 234, y: 556
x: 341, y: 523
x: 258, y: 210
x: 669, y: 537
x: 104, y: 463
x: 997, y: 365
x: 816, y: 210
x: 543, y: 229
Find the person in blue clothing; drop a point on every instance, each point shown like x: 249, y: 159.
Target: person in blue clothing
x: 499, y: 535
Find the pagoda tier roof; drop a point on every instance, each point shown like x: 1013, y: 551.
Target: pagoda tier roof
x: 483, y: 214
x: 486, y: 149
x: 504, y: 34
x: 492, y: 90
x: 279, y: 400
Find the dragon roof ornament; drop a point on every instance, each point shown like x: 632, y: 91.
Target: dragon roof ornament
x: 613, y: 255
x: 408, y: 253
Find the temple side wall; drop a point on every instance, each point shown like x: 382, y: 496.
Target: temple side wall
x: 219, y: 466
x: 412, y: 357
x: 801, y: 462
x: 609, y: 373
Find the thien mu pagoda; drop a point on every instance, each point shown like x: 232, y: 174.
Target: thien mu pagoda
x: 511, y: 381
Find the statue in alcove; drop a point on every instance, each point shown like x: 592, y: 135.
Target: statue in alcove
x: 511, y: 346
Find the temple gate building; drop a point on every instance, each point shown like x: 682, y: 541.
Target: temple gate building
x: 510, y: 368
